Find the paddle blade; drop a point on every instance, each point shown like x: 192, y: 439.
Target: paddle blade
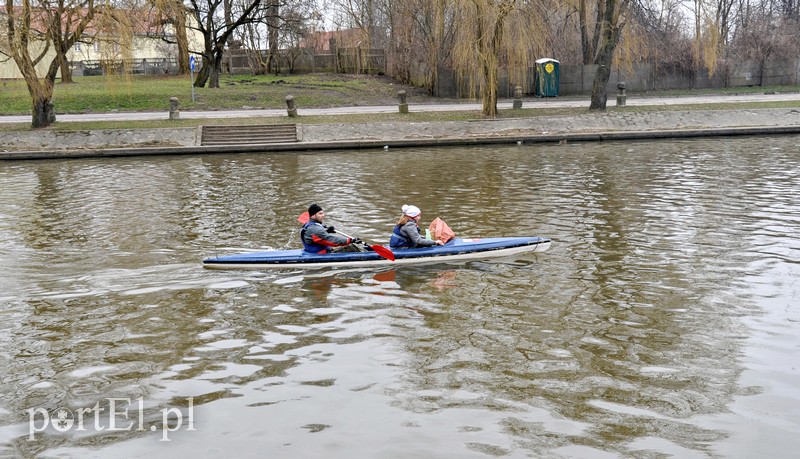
x: 383, y: 252
x: 303, y: 218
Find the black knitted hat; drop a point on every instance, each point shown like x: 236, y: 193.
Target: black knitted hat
x: 313, y: 209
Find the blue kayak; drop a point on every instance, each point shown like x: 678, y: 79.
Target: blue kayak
x: 455, y: 250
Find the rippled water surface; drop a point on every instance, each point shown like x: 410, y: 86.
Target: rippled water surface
x: 663, y: 322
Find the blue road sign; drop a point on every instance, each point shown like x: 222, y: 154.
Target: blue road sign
x: 191, y: 63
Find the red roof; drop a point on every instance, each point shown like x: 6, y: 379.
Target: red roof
x: 144, y: 21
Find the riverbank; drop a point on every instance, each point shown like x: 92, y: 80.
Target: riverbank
x: 612, y: 125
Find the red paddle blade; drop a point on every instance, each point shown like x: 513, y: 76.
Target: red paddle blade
x: 303, y: 218
x: 383, y: 252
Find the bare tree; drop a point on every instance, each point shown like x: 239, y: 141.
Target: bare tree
x: 210, y: 21
x: 422, y: 38
x: 610, y: 31
x: 790, y: 9
x: 295, y: 25
x: 29, y: 38
x: 59, y: 21
x: 370, y: 17
x: 278, y: 25
x: 658, y: 30
x: 272, y: 21
x: 765, y: 33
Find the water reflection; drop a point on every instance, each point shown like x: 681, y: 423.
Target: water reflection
x: 664, y: 307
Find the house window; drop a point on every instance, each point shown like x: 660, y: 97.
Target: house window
x: 96, y: 46
x: 77, y: 47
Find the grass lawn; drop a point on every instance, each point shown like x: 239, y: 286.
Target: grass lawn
x: 94, y: 94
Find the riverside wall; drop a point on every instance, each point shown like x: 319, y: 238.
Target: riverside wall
x: 583, y: 127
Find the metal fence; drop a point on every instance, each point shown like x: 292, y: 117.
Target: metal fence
x: 305, y: 60
x: 577, y: 79
x: 574, y: 79
x: 298, y: 60
x: 156, y: 66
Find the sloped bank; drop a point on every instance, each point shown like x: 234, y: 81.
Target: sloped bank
x: 583, y: 127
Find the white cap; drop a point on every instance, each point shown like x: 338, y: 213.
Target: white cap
x: 411, y: 211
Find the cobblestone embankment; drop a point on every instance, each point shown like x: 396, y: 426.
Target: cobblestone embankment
x: 588, y: 126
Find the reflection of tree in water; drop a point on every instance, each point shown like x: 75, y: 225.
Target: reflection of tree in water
x: 243, y: 199
x: 54, y: 220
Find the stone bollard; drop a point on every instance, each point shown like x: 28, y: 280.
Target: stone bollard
x: 621, y: 96
x: 174, y: 114
x: 291, y: 106
x: 403, y: 104
x: 517, y: 97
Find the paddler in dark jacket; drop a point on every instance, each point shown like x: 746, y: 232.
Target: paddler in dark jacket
x: 406, y: 234
x: 318, y: 238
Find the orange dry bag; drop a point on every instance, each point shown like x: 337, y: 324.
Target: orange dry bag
x: 441, y: 231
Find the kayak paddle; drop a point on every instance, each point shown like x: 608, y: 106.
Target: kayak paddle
x: 382, y: 251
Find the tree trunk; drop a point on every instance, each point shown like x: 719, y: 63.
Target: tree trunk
x: 63, y: 64
x: 273, y: 28
x: 487, y: 61
x: 213, y: 81
x: 432, y: 82
x: 212, y: 66
x: 586, y: 43
x: 489, y: 92
x: 183, y: 44
x: 203, y: 74
x: 40, y: 90
x: 173, y: 12
x: 608, y: 43
x: 599, y: 91
x: 436, y: 44
x: 209, y: 60
x: 43, y: 114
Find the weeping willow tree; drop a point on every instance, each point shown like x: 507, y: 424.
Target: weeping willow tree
x: 711, y: 45
x: 495, y: 34
x: 29, y: 42
x: 634, y: 47
x: 173, y: 12
x: 712, y: 30
x: 113, y: 33
x: 217, y: 20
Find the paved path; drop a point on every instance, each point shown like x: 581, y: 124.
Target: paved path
x: 527, y: 103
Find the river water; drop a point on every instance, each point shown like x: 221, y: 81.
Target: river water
x: 663, y: 322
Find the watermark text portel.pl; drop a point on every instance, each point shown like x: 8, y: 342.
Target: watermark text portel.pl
x: 120, y: 414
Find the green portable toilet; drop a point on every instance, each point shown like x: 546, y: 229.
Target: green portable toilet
x: 546, y: 77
